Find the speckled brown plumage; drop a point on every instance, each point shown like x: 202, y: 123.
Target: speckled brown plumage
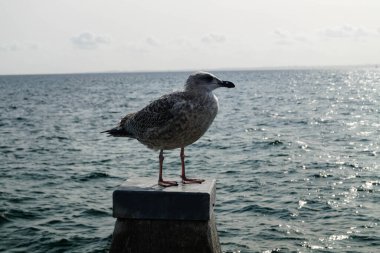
x: 172, y: 121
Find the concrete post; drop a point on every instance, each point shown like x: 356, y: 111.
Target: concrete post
x: 154, y: 219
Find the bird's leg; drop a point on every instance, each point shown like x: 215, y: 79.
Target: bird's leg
x: 160, y: 180
x: 186, y: 180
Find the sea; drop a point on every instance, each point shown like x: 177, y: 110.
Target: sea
x: 295, y: 154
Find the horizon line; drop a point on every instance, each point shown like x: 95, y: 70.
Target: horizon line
x: 291, y: 67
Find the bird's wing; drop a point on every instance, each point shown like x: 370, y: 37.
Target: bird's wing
x: 159, y: 112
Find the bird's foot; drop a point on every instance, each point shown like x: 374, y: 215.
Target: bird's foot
x: 167, y: 183
x: 186, y: 180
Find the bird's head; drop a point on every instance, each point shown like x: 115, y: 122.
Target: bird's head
x: 203, y: 81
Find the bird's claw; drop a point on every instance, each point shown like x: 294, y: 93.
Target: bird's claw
x: 167, y: 183
x: 186, y: 180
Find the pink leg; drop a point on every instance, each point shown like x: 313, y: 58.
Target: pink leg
x: 186, y: 180
x: 160, y: 180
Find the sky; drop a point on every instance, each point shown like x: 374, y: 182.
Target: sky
x: 75, y: 36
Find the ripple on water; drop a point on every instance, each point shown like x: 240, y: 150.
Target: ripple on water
x: 91, y: 176
x: 3, y: 219
x: 18, y: 214
x: 95, y: 212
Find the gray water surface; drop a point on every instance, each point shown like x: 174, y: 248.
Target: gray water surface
x: 295, y: 154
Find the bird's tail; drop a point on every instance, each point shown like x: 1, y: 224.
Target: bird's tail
x: 117, y: 132
x: 121, y: 131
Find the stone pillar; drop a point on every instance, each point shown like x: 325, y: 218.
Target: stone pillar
x: 153, y: 219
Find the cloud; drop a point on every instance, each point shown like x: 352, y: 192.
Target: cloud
x: 19, y: 46
x: 213, y: 38
x: 283, y: 37
x: 87, y: 40
x: 281, y: 33
x: 152, y: 42
x: 346, y: 31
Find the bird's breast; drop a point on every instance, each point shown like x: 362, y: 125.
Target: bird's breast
x: 197, y: 120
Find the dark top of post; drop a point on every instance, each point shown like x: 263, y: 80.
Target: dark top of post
x: 144, y: 199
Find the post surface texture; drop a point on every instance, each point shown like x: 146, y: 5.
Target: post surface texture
x: 153, y: 219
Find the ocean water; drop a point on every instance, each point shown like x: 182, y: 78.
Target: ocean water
x: 295, y: 154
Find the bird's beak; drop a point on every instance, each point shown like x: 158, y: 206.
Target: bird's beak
x: 226, y: 84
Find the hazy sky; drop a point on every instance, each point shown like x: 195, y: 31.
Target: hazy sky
x: 61, y: 36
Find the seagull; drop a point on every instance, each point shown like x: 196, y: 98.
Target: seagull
x: 175, y: 120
